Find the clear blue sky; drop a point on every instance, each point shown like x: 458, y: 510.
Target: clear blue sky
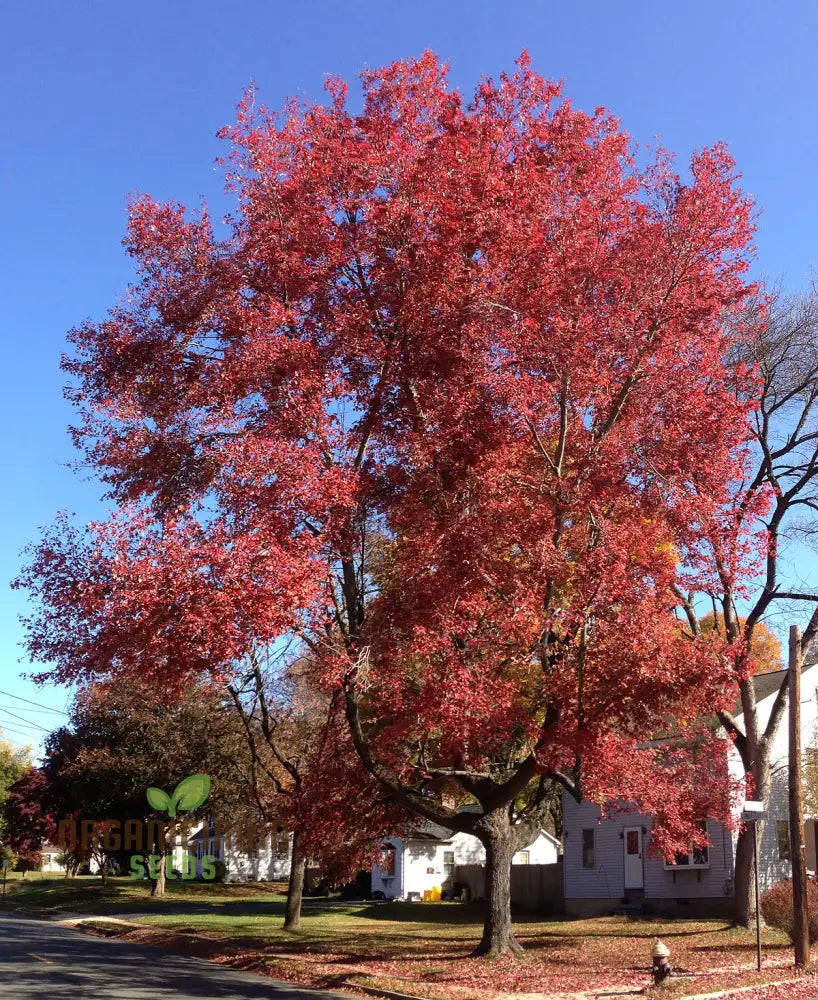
x: 100, y: 99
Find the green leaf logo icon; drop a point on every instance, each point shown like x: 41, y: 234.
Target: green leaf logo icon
x: 158, y: 799
x: 189, y: 794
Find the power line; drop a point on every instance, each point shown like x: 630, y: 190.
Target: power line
x: 14, y: 743
x: 18, y: 729
x: 36, y: 725
x: 5, y: 727
x: 28, y: 701
x: 22, y: 708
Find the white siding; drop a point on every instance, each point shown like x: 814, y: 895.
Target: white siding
x: 715, y: 882
x: 771, y: 868
x: 50, y: 854
x: 606, y: 879
x: 543, y: 851
x: 423, y: 865
x: 270, y: 862
x: 419, y: 862
x: 390, y: 885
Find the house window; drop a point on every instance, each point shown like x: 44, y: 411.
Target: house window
x: 448, y: 864
x: 782, y: 831
x: 694, y: 857
x: 388, y: 860
x: 524, y: 858
x: 588, y: 851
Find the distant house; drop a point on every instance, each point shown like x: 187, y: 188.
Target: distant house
x: 606, y: 863
x: 268, y: 862
x: 52, y: 863
x: 426, y: 859
x: 51, y: 854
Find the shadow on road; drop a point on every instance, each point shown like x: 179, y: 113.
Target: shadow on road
x: 43, y: 960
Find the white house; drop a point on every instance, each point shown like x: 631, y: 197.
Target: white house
x: 606, y: 863
x: 51, y: 864
x: 427, y: 858
x: 268, y: 862
x: 51, y: 854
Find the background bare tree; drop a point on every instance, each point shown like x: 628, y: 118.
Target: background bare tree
x: 780, y: 338
x: 278, y: 738
x: 302, y: 771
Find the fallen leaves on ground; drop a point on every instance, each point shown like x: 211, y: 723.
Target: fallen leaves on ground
x: 607, y: 957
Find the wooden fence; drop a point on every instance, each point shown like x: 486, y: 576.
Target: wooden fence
x: 533, y: 887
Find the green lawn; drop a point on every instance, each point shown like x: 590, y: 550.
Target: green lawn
x: 424, y: 949
x: 415, y: 948
x: 88, y: 894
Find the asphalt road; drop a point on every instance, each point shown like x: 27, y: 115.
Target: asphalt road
x: 43, y: 959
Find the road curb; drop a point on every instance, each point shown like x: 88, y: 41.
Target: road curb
x: 742, y: 989
x: 374, y: 991
x: 34, y: 913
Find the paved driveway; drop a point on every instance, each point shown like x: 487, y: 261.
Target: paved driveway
x: 46, y: 960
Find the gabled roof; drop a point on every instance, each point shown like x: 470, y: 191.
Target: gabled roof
x: 767, y: 684
x: 435, y: 832
x: 429, y: 831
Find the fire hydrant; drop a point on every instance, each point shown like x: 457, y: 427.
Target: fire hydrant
x: 661, y: 968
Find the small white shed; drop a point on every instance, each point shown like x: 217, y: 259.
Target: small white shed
x: 427, y: 858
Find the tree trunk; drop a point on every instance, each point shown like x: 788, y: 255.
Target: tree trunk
x: 158, y: 884
x: 298, y: 865
x: 744, y: 901
x: 744, y: 905
x: 498, y: 837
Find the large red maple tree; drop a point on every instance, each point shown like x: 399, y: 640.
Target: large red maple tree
x: 447, y: 402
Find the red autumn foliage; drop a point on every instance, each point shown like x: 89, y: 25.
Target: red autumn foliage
x: 778, y: 911
x: 28, y: 822
x: 444, y: 404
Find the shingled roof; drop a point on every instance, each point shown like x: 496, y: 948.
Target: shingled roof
x: 767, y: 684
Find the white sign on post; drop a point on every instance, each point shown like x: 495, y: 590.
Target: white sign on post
x: 753, y: 811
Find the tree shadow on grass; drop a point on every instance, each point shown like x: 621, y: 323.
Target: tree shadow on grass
x: 423, y: 913
x: 551, y: 943
x: 348, y: 948
x: 664, y: 932
x: 737, y: 946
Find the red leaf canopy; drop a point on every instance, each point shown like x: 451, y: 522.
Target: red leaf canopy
x: 448, y: 401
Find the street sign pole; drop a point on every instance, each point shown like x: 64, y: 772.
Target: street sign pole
x: 758, y: 905
x: 796, y: 796
x: 753, y: 812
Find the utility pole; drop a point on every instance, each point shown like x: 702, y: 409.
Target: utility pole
x: 797, y: 858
